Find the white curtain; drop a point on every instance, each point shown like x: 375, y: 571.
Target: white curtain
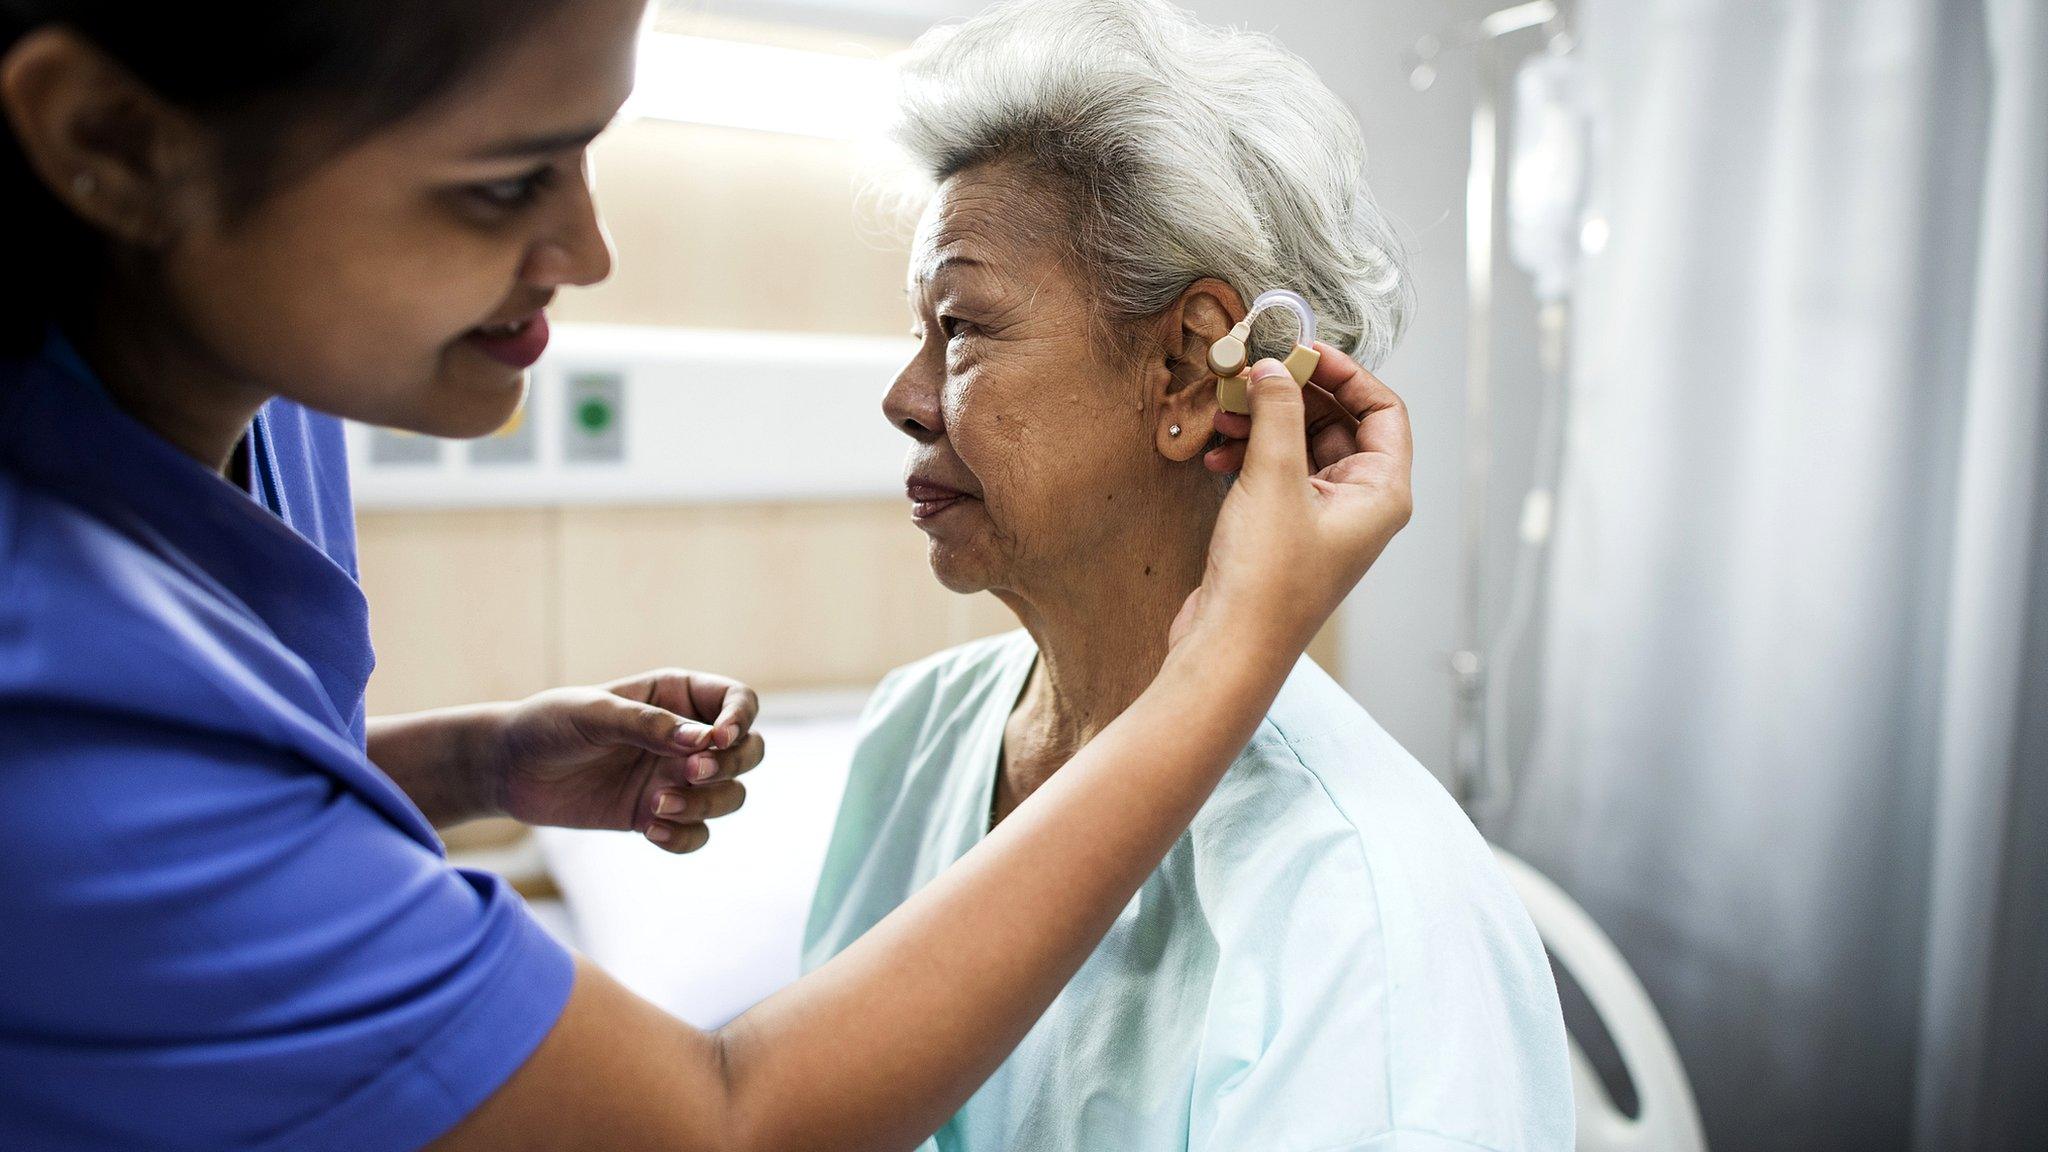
x: 1793, y: 735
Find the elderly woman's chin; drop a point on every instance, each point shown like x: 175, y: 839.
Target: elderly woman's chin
x: 960, y: 566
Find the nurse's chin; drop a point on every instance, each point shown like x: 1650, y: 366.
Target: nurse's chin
x: 463, y: 405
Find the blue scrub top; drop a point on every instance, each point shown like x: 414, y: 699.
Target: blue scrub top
x: 221, y: 927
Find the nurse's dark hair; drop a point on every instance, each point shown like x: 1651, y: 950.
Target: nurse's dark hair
x: 257, y: 71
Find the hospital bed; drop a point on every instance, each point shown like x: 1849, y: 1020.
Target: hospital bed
x: 1665, y: 1118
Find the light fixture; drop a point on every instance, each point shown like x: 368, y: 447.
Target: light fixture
x: 764, y: 87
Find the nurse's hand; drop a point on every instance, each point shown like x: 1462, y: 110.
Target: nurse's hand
x: 655, y: 754
x: 1322, y: 486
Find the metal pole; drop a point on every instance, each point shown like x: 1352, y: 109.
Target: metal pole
x: 1468, y: 664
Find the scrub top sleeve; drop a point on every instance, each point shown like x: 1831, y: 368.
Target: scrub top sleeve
x: 211, y: 944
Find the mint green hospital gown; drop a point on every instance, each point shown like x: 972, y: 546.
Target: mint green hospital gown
x: 1329, y: 959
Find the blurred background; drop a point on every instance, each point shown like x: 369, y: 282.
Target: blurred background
x: 1725, y: 606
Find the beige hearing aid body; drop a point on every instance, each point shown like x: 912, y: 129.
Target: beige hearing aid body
x: 1228, y: 356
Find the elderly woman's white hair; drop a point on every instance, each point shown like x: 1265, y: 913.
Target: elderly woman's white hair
x: 1179, y: 149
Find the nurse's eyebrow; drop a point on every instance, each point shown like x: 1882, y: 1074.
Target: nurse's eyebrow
x: 513, y: 149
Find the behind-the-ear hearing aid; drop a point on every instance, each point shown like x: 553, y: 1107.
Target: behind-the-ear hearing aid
x: 1227, y: 357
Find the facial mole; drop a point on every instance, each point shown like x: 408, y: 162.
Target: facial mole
x: 1148, y: 569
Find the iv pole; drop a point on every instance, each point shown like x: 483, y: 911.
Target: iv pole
x: 1469, y: 665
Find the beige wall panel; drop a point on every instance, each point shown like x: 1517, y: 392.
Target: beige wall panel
x: 459, y: 607
x: 826, y: 594
x: 494, y: 604
x: 726, y: 228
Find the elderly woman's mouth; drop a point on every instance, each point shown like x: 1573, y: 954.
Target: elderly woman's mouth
x: 928, y: 498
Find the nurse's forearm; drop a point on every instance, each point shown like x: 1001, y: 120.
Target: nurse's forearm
x: 878, y: 1047
x: 432, y: 757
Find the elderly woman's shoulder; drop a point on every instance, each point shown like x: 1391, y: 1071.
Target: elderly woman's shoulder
x: 1325, y: 807
x: 1320, y: 760
x: 1317, y: 724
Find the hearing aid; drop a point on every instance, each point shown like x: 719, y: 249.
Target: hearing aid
x: 1228, y: 357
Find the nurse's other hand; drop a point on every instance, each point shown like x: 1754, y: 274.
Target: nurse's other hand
x: 654, y: 754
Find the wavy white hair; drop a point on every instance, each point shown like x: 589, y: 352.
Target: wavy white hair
x: 1180, y: 150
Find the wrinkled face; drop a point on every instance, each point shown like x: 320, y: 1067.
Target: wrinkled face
x: 1033, y: 450
x: 390, y: 283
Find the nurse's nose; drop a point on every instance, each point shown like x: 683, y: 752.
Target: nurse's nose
x: 577, y: 252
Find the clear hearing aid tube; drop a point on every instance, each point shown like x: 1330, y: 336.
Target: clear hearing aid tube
x: 1228, y: 356
x: 1292, y: 301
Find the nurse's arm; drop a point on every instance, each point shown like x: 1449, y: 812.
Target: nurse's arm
x: 877, y: 1048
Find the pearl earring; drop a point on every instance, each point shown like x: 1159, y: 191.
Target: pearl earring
x: 1173, y: 431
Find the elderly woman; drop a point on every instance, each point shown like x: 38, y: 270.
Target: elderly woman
x: 1329, y: 958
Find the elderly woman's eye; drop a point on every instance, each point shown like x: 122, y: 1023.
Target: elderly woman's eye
x: 954, y: 327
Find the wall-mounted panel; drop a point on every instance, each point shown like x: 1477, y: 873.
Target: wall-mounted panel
x: 624, y: 415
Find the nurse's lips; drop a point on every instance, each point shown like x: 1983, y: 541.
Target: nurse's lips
x: 518, y: 343
x: 929, y: 498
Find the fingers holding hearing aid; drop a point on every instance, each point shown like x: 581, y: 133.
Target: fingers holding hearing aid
x: 1330, y: 426
x: 1279, y: 423
x: 1323, y: 487
x: 1367, y: 482
x: 1378, y: 417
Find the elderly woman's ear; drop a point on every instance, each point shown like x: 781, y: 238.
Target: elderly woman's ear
x: 1186, y: 392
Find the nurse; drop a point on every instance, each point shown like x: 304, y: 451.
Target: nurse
x: 226, y: 921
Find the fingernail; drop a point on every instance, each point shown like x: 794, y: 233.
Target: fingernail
x: 701, y: 768
x: 659, y: 833
x: 724, y: 737
x: 1268, y: 367
x: 667, y: 804
x: 686, y: 735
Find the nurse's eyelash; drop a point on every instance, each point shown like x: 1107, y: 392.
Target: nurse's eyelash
x: 512, y: 193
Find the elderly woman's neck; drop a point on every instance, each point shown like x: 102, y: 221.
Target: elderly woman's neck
x: 1100, y: 643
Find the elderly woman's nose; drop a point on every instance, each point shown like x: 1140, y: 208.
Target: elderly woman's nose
x: 912, y: 404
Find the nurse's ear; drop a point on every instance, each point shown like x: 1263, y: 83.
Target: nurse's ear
x: 107, y: 147
x: 1184, y: 392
